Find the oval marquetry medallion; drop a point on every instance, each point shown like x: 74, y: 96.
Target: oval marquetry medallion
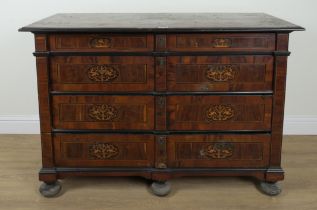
x: 103, y: 112
x: 218, y: 150
x: 222, y: 43
x: 102, y: 73
x: 102, y: 151
x: 100, y: 42
x: 220, y: 112
x: 220, y: 73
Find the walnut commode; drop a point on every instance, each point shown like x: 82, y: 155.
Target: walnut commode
x: 161, y: 96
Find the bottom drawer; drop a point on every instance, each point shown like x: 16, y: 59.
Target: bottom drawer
x: 218, y: 150
x: 104, y: 150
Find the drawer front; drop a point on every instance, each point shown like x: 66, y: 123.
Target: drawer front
x: 101, y: 42
x: 102, y: 73
x: 103, y: 112
x: 219, y: 73
x: 218, y: 151
x: 100, y: 150
x: 221, y: 42
x: 219, y: 113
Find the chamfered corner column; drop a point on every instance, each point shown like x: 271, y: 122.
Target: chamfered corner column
x: 50, y: 186
x: 275, y: 172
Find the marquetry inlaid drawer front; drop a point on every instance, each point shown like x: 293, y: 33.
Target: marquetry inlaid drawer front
x: 101, y: 42
x: 219, y: 73
x: 103, y: 112
x: 102, y: 73
x: 218, y: 150
x: 219, y: 113
x: 100, y: 150
x: 221, y: 42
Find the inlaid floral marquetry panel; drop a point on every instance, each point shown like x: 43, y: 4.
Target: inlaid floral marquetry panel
x: 218, y: 150
x: 219, y: 112
x: 102, y: 151
x: 100, y: 42
x: 220, y: 72
x: 102, y: 73
x: 222, y: 43
x: 103, y: 112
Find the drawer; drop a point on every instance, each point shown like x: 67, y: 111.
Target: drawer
x: 221, y: 42
x: 101, y: 150
x: 103, y: 112
x: 102, y: 73
x: 101, y: 42
x: 218, y: 151
x: 219, y: 113
x: 219, y: 73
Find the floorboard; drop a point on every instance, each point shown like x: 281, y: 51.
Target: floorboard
x: 20, y: 161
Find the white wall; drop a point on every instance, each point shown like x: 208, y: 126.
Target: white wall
x: 18, y: 94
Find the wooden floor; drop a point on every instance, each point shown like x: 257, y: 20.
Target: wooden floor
x: 20, y: 161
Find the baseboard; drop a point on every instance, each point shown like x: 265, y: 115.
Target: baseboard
x: 300, y: 125
x: 19, y: 124
x: 29, y: 124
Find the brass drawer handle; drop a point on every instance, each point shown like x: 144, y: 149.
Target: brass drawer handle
x: 103, y: 112
x: 220, y: 72
x: 102, y: 73
x: 219, y: 113
x: 100, y: 42
x: 222, y: 43
x: 217, y: 150
x: 102, y: 151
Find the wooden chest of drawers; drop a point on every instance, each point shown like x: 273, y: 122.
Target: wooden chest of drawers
x: 161, y: 96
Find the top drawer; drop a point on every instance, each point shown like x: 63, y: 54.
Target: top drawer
x: 221, y: 42
x: 102, y: 42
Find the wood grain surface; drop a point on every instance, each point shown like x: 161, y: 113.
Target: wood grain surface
x: 219, y: 112
x: 102, y: 73
x: 103, y: 112
x: 221, y: 42
x: 100, y: 150
x: 228, y: 151
x: 101, y: 42
x: 219, y: 73
x: 140, y: 22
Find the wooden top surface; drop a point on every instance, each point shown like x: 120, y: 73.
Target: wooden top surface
x: 161, y: 22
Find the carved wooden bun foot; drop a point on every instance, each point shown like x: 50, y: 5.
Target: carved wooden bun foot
x: 269, y: 188
x: 161, y: 188
x: 50, y: 190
